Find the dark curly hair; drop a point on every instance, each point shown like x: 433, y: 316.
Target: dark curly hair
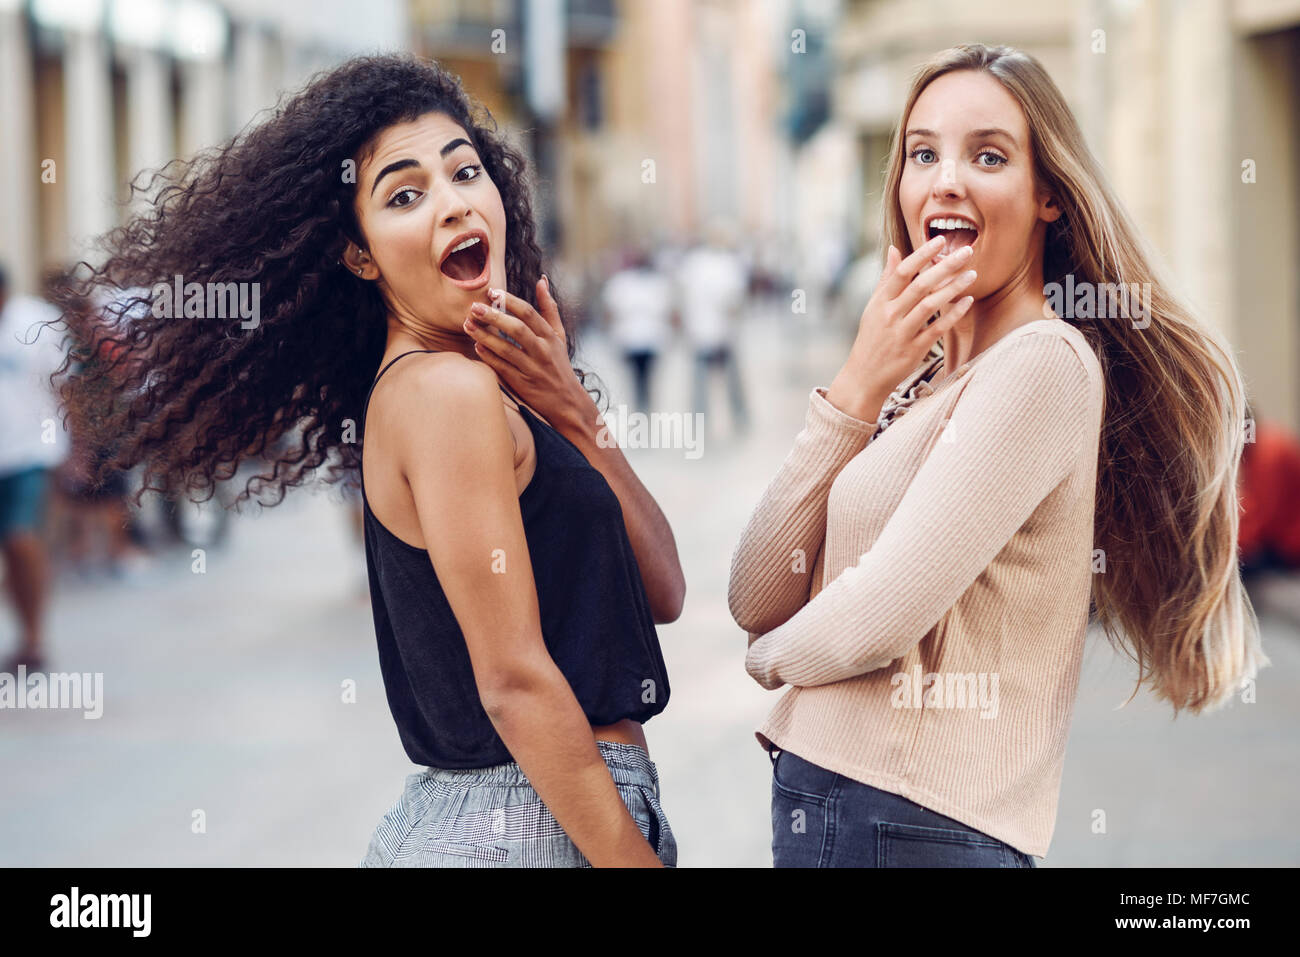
x: 193, y: 398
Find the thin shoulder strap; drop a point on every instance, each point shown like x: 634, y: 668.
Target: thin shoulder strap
x: 519, y: 406
x: 371, y: 391
x: 394, y: 359
x: 525, y: 410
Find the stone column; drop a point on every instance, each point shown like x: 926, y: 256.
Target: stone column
x: 150, y: 133
x: 88, y: 164
x: 19, y: 165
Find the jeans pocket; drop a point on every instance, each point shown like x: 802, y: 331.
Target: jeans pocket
x: 798, y: 778
x: 912, y: 845
x: 798, y: 827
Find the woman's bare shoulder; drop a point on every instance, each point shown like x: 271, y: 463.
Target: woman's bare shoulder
x: 442, y: 395
x: 433, y: 384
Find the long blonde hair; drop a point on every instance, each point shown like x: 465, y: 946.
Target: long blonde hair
x: 1171, y: 595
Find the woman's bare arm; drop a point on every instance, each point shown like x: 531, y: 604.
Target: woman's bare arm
x: 456, y: 454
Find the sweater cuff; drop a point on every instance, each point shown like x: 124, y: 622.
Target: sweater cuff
x: 758, y: 662
x: 834, y: 426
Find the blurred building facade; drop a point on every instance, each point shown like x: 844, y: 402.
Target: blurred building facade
x: 1190, y: 106
x: 94, y: 91
x: 666, y: 118
x: 649, y: 121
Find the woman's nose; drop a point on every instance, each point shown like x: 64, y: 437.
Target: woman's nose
x: 451, y: 207
x: 946, y: 183
x: 454, y: 213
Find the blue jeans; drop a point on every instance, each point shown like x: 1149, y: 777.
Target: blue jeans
x: 492, y: 817
x: 823, y: 819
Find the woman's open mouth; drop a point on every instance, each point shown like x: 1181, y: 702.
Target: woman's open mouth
x: 956, y: 230
x: 465, y: 261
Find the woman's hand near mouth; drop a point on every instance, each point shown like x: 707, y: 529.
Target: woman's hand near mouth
x: 894, y: 333
x: 538, y: 371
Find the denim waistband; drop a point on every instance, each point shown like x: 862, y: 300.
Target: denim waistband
x: 627, y: 763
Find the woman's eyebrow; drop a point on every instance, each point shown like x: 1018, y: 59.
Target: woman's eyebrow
x: 972, y: 135
x: 459, y: 141
x: 392, y: 168
x: 408, y: 163
x: 991, y: 131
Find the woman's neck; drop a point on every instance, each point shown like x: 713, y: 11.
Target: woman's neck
x: 402, y: 338
x: 991, y: 318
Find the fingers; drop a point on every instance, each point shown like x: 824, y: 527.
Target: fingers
x: 892, y: 259
x: 481, y: 326
x: 550, y: 310
x: 488, y: 345
x: 949, y: 316
x: 932, y: 303
x: 521, y: 309
x: 932, y: 280
x: 895, y: 281
x: 483, y: 319
x: 491, y: 358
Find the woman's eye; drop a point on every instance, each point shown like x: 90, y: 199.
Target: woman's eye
x: 915, y: 154
x: 473, y: 168
x: 1000, y: 159
x: 402, y: 192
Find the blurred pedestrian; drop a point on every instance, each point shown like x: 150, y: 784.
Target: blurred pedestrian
x: 32, y: 444
x: 712, y: 287
x: 98, y: 528
x: 639, y: 302
x: 1269, y: 535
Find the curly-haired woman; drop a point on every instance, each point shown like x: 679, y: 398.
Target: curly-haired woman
x: 919, y: 571
x: 517, y: 566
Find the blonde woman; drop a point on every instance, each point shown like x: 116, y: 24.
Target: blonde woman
x: 993, y: 453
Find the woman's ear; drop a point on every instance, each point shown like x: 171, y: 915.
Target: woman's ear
x: 1049, y: 211
x: 355, y: 260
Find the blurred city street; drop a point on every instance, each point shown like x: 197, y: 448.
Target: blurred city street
x: 227, y: 691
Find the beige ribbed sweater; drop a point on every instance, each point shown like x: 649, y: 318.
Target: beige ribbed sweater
x: 955, y: 543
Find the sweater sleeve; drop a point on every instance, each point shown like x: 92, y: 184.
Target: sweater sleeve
x: 772, y: 564
x: 1014, y: 435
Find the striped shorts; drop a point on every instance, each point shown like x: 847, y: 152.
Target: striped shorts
x: 492, y: 817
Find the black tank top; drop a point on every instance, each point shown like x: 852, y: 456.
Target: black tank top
x: 595, y: 616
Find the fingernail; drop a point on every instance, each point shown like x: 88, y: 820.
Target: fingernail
x: 478, y: 309
x: 547, y: 281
